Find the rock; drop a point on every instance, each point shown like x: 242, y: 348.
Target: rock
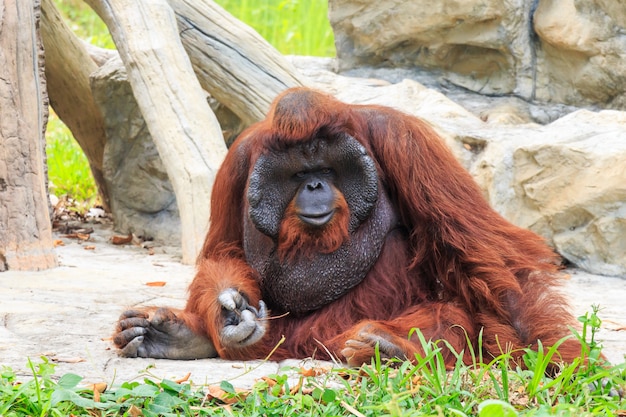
x: 570, y: 51
x: 509, y: 111
x: 570, y: 186
x: 581, y: 55
x: 564, y: 180
x: 142, y: 198
x: 475, y: 42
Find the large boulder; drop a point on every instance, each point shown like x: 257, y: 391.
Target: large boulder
x: 581, y: 54
x: 567, y: 51
x: 567, y: 182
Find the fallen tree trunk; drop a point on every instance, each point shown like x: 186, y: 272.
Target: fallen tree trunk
x: 181, y: 123
x: 25, y: 229
x: 232, y: 61
x: 68, y: 66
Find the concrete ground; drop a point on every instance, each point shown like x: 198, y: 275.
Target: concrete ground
x: 67, y: 313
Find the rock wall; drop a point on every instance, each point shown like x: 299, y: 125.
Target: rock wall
x: 565, y: 51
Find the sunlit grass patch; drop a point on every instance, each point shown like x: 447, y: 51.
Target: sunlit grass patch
x: 294, y: 27
x: 68, y: 168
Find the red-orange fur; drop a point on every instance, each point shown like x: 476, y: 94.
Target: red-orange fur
x: 298, y: 239
x: 458, y: 269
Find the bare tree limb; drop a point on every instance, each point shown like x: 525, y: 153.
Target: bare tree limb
x: 232, y: 61
x: 25, y: 229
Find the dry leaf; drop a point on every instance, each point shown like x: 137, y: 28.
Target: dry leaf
x: 121, y: 240
x: 58, y: 242
x: 294, y: 390
x: 151, y: 251
x: 217, y: 393
x: 345, y: 375
x: 134, y: 411
x: 99, y: 386
x: 80, y: 236
x: 269, y: 381
x: 156, y: 284
x: 90, y: 247
x: 416, y: 380
x: 316, y: 371
x: 67, y: 360
x: 183, y: 379
x: 97, y: 389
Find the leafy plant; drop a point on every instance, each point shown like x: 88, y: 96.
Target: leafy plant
x: 423, y: 387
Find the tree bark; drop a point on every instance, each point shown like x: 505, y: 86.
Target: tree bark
x: 232, y: 61
x: 25, y: 230
x: 68, y: 66
x: 183, y: 127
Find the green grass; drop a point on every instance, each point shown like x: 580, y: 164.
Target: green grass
x: 68, y: 168
x: 297, y: 27
x: 424, y: 387
x: 85, y: 23
x: 294, y: 27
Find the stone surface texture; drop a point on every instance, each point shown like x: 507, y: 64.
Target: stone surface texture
x: 564, y: 51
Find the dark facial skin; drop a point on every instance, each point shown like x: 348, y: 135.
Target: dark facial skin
x: 311, y: 174
x: 277, y: 177
x: 315, y: 200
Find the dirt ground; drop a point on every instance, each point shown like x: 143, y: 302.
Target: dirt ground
x: 68, y: 313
